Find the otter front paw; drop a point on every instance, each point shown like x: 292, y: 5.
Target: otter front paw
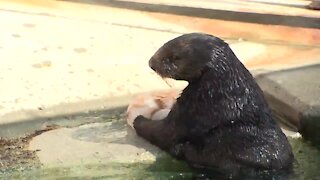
x: 139, y: 121
x: 141, y: 126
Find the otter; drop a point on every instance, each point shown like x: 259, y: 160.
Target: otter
x: 221, y: 120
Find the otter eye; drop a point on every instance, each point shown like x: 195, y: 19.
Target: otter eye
x: 174, y: 57
x: 166, y: 60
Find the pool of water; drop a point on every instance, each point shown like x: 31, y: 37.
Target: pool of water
x: 306, y: 167
x: 164, y: 168
x: 307, y: 163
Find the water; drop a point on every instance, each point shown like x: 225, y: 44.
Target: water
x: 307, y: 165
x: 165, y: 168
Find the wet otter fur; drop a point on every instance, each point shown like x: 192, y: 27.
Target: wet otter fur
x: 221, y: 121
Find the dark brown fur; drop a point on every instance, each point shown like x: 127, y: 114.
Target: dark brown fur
x: 221, y: 121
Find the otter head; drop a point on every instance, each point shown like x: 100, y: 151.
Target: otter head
x: 187, y: 56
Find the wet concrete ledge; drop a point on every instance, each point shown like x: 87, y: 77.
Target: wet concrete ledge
x: 227, y: 15
x: 294, y: 95
x: 20, y: 123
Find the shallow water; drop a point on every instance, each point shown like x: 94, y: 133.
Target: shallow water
x: 307, y: 166
x: 165, y: 168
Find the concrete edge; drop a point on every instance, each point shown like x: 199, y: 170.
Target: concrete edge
x: 27, y: 121
x: 20, y: 123
x: 227, y: 15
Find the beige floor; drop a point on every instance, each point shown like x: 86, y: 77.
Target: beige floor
x: 59, y: 54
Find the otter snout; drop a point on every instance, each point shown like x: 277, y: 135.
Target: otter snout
x: 152, y: 64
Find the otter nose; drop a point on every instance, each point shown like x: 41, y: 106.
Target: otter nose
x: 151, y: 64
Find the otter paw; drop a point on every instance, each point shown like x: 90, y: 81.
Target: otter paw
x: 138, y: 121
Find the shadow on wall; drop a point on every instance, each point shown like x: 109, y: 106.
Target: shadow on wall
x: 260, y: 18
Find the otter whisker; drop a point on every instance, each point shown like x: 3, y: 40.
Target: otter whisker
x: 166, y: 80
